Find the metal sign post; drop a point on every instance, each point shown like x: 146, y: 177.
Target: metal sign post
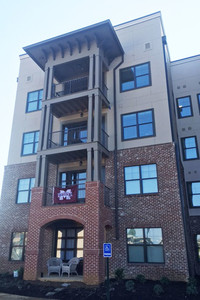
x: 107, y: 253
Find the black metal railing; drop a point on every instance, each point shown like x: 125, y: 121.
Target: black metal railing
x: 70, y: 136
x: 70, y: 87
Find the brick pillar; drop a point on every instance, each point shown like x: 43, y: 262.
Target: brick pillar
x: 93, y: 235
x: 31, y: 270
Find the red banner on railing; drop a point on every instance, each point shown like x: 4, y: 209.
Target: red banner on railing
x: 65, y: 195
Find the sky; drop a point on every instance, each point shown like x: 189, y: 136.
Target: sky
x: 24, y: 22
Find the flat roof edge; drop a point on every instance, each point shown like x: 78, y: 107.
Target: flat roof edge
x: 186, y: 58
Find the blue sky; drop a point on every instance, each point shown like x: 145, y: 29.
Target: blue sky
x: 24, y: 22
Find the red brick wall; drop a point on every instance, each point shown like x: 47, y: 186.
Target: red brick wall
x: 13, y: 217
x: 159, y: 210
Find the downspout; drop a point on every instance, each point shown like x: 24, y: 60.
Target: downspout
x: 178, y: 159
x: 115, y: 151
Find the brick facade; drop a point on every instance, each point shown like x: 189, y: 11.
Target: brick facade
x: 157, y: 210
x: 13, y: 217
x: 161, y: 210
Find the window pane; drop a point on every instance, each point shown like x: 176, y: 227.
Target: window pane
x: 69, y: 254
x: 190, y: 142
x: 28, y: 149
x: 80, y: 232
x: 22, y: 197
x: 191, y: 153
x: 155, y: 254
x: 128, y: 85
x: 61, y: 233
x: 132, y: 173
x: 60, y: 243
x: 136, y: 253
x: 18, y: 239
x: 70, y: 232
x: 130, y: 132
x: 32, y: 96
x: 196, y: 200
x: 32, y: 182
x: 145, y: 117
x: 28, y: 137
x: 70, y: 243
x: 32, y: 106
x: 135, y: 236
x: 195, y: 187
x: 145, y: 130
x: 142, y: 69
x: 148, y: 171
x: 153, y: 236
x: 132, y: 187
x: 79, y: 253
x: 36, y: 147
x: 81, y: 194
x: 16, y: 253
x: 80, y: 243
x: 198, y: 240
x: 23, y: 184
x: 150, y: 186
x: 185, y: 111
x: 129, y: 120
x: 142, y: 81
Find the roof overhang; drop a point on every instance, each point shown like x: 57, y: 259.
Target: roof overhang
x: 103, y: 33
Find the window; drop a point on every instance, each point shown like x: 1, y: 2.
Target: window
x: 69, y: 243
x: 71, y: 178
x: 145, y: 245
x: 34, y: 101
x: 18, y: 244
x: 198, y: 97
x: 194, y: 193
x: 141, y: 179
x: 138, y: 125
x: 24, y: 190
x: 184, y: 107
x: 135, y: 77
x: 198, y: 245
x: 30, y: 143
x: 189, y: 147
x: 77, y: 133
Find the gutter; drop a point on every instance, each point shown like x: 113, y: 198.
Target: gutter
x: 115, y: 151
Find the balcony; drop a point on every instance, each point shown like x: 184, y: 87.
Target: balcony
x: 70, y: 87
x: 70, y: 136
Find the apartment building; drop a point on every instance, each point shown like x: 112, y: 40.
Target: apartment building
x: 100, y: 116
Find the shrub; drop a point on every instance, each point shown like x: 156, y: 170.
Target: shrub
x: 192, y: 286
x: 21, y: 273
x: 158, y: 290
x: 119, y: 274
x: 130, y: 285
x: 141, y: 278
x: 164, y: 280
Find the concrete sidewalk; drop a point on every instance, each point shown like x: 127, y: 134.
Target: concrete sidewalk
x: 18, y: 297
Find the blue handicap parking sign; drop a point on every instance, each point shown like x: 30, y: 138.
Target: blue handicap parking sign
x: 107, y: 250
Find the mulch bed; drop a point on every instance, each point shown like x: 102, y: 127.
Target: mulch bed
x: 119, y: 289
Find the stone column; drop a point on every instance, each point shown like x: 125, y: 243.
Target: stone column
x: 89, y: 165
x: 91, y: 72
x: 50, y: 83
x: 90, y: 117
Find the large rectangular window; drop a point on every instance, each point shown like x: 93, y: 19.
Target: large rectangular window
x: 194, y: 193
x: 24, y: 190
x: 135, y: 77
x: 18, y: 244
x: 189, y: 148
x: 30, y: 143
x: 138, y: 125
x: 69, y: 243
x: 145, y: 245
x: 184, y: 107
x: 141, y: 179
x: 34, y: 101
x: 71, y: 178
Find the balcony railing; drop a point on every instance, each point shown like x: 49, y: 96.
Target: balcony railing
x: 70, y: 87
x: 68, y: 136
x: 71, y: 136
